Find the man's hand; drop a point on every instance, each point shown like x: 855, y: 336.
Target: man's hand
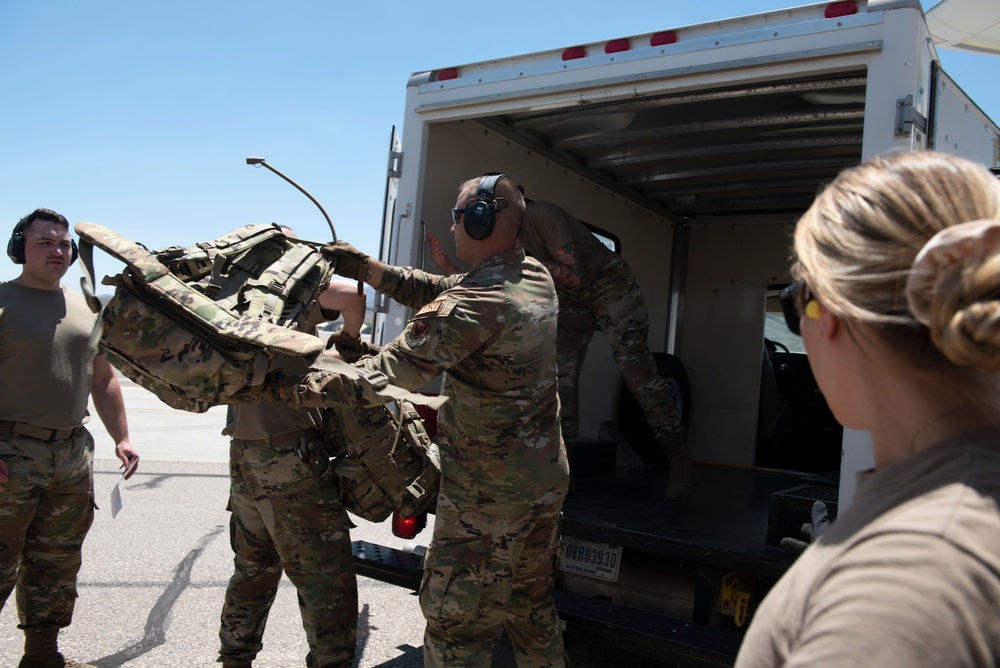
x: 348, y: 261
x: 349, y: 348
x: 439, y: 255
x: 129, y: 458
x: 254, y: 394
x: 811, y: 531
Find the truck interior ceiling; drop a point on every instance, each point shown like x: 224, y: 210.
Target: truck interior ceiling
x: 761, y: 149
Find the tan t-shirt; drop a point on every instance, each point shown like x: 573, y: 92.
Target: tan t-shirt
x: 547, y: 228
x: 908, y: 576
x: 46, y: 358
x: 273, y: 418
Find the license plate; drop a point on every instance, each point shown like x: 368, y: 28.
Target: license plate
x: 596, y: 560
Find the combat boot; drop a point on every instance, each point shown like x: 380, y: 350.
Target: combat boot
x: 237, y: 664
x: 680, y: 483
x: 54, y: 661
x: 41, y: 651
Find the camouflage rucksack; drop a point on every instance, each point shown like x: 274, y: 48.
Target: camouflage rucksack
x: 388, y: 462
x: 195, y: 325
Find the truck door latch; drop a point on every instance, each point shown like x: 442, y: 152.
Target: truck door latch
x: 734, y: 599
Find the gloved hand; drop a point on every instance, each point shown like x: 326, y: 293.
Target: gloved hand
x: 349, y: 348
x: 811, y: 531
x: 348, y: 261
x: 254, y: 394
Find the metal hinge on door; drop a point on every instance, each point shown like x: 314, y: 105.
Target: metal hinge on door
x: 395, y: 164
x: 906, y: 115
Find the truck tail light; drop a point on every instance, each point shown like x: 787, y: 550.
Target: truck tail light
x: 447, y: 73
x: 661, y: 38
x: 840, y: 9
x: 617, y: 46
x: 408, y: 527
x: 574, y: 52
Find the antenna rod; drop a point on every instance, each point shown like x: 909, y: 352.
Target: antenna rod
x: 257, y: 162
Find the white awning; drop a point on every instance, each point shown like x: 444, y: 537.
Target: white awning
x: 966, y: 25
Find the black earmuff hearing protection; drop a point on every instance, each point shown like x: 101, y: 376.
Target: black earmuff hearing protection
x: 480, y: 216
x: 15, y: 247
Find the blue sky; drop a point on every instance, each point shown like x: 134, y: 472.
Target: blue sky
x: 139, y: 115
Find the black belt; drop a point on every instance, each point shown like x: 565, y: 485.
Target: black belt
x: 41, y: 433
x: 288, y: 440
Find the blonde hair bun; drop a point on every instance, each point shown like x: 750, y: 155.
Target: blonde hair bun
x: 954, y: 289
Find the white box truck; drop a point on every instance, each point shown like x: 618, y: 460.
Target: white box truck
x: 691, y: 151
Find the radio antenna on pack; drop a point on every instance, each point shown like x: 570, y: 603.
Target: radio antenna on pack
x: 258, y: 162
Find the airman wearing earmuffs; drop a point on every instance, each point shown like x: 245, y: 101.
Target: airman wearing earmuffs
x: 50, y: 365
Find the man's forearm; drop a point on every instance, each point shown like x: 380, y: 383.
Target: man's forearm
x: 562, y: 275
x: 107, y: 396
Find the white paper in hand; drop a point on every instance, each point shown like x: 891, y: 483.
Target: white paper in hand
x: 116, y: 493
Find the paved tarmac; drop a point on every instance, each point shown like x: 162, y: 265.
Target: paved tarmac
x: 153, y: 579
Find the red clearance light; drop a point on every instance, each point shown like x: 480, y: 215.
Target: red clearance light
x: 574, y: 52
x: 617, y: 46
x: 840, y: 9
x: 448, y: 73
x: 661, y: 38
x: 408, y: 527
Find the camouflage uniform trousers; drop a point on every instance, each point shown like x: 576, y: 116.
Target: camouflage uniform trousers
x: 485, y: 571
x: 287, y: 514
x: 613, y: 300
x: 45, y: 515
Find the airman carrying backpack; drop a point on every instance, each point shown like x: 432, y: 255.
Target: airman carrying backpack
x: 196, y: 325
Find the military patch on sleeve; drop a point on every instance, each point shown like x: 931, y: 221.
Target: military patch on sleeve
x: 425, y: 324
x: 417, y: 333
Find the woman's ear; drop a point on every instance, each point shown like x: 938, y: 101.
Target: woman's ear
x: 829, y: 324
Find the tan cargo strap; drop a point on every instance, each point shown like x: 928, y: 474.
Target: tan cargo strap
x: 283, y: 440
x: 42, y: 434
x: 426, y: 482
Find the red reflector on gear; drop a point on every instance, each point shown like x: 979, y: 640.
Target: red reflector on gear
x: 448, y: 73
x: 840, y: 9
x: 429, y: 417
x: 573, y: 53
x: 408, y: 527
x: 617, y: 45
x: 661, y: 38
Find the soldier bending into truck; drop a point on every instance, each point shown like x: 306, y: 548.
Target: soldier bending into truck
x: 597, y: 287
x: 504, y: 472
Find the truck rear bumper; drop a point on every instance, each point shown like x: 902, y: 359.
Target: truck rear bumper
x: 648, y: 634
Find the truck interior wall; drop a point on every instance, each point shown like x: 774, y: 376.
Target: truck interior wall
x: 721, y: 337
x: 457, y: 150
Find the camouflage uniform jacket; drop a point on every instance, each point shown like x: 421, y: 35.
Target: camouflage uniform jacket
x: 492, y: 332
